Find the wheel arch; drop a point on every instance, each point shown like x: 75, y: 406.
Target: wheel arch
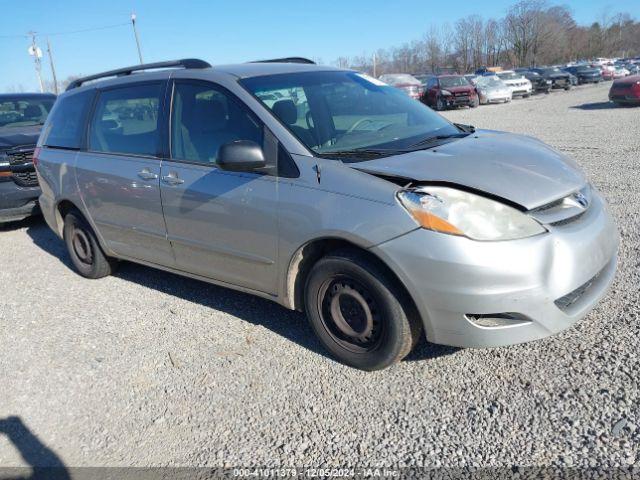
x: 63, y: 206
x: 308, y: 254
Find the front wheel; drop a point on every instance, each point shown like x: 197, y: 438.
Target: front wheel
x: 440, y: 105
x: 356, y: 312
x: 83, y: 247
x: 475, y: 102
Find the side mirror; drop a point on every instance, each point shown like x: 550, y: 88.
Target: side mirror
x: 240, y: 156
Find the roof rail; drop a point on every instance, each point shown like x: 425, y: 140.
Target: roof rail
x: 184, y: 63
x: 286, y: 60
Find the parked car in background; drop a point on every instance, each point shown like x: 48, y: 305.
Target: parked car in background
x: 488, y: 71
x: 539, y: 84
x: 632, y: 68
x: 405, y: 82
x: 605, y: 72
x: 585, y: 73
x: 21, y: 118
x: 424, y: 77
x: 491, y: 240
x: 626, y: 91
x: 573, y: 79
x: 519, y: 85
x: 472, y: 78
x: 493, y: 90
x: 558, y: 78
x: 620, y: 72
x: 448, y: 91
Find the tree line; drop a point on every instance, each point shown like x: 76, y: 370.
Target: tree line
x: 531, y: 33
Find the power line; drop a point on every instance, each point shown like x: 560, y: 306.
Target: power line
x: 70, y: 32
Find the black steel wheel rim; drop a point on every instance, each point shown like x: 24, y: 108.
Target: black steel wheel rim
x: 82, y: 246
x: 350, y: 314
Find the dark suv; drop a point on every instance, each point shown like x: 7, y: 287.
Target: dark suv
x: 21, y: 119
x: 585, y: 74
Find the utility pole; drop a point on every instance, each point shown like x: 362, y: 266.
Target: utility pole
x: 36, y: 53
x: 135, y: 33
x: 53, y: 68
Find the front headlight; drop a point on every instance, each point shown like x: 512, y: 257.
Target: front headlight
x: 456, y: 212
x: 445, y: 92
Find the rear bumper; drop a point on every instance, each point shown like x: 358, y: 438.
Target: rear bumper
x: 17, y: 202
x: 451, y: 279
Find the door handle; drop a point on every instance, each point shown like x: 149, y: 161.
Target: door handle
x: 146, y: 174
x: 172, y: 179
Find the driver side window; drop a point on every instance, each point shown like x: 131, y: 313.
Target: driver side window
x: 204, y: 118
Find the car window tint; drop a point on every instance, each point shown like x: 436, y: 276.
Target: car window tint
x: 66, y: 123
x: 125, y: 120
x: 204, y: 118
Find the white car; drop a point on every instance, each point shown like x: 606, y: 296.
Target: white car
x: 519, y: 85
x: 493, y: 90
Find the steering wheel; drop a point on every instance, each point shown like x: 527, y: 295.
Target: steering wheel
x: 362, y: 121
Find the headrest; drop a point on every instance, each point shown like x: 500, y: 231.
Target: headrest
x: 209, y: 115
x: 286, y: 111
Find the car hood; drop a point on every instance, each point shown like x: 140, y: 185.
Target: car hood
x: 460, y: 89
x: 557, y: 75
x: 19, y: 136
x: 491, y: 90
x: 520, y: 169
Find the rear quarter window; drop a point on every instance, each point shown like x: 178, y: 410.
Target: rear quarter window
x: 65, y: 126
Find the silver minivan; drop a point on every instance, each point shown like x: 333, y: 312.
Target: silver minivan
x: 328, y: 192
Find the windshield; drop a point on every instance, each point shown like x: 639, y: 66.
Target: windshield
x: 490, y: 82
x: 448, y: 82
x: 399, y: 78
x: 347, y: 111
x: 510, y: 76
x: 21, y: 111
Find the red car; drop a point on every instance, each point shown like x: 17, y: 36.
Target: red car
x: 626, y: 91
x: 446, y: 91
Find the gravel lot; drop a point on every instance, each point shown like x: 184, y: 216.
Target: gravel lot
x: 147, y: 368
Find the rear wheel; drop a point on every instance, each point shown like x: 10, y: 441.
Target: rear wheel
x: 83, y: 247
x: 356, y: 312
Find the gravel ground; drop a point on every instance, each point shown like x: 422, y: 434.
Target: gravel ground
x: 147, y: 368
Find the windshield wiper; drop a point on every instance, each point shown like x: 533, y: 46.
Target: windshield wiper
x: 435, y: 138
x: 359, y: 152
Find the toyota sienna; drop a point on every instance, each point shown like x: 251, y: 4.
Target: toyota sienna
x: 328, y: 192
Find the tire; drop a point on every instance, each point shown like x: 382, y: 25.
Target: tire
x: 526, y: 95
x: 567, y: 88
x: 378, y: 331
x: 440, y: 106
x: 475, y: 103
x: 86, y: 254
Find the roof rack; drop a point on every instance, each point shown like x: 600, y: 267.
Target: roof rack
x: 184, y: 63
x: 286, y: 60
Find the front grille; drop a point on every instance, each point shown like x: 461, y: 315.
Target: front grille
x: 565, y: 210
x: 26, y: 179
x: 563, y: 303
x: 21, y: 162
